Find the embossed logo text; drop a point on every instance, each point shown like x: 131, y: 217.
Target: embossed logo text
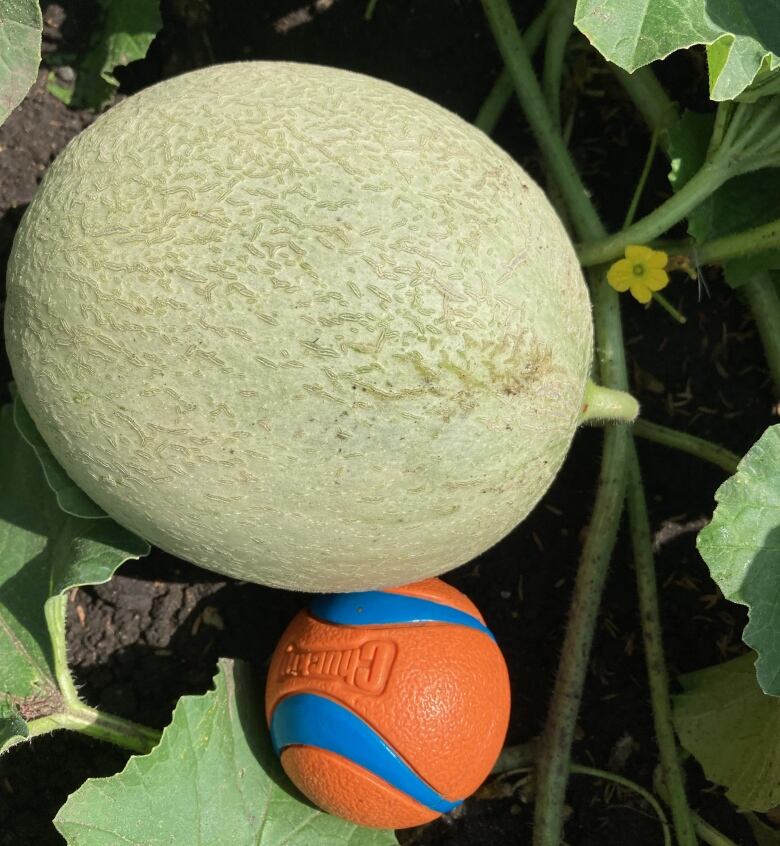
x: 365, y: 668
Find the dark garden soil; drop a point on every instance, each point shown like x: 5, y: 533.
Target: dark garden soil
x: 155, y: 631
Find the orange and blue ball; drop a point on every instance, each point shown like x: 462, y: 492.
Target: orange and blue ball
x: 388, y: 708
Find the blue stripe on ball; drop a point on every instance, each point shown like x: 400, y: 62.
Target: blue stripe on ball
x: 305, y: 719
x: 377, y: 608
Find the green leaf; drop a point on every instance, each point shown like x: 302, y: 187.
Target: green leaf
x: 20, y: 51
x: 731, y: 728
x: 213, y: 778
x: 63, y: 93
x: 123, y: 35
x: 43, y: 553
x: 689, y: 138
x: 742, y: 549
x: 742, y: 37
x: 742, y: 203
x: 13, y: 728
x: 70, y: 498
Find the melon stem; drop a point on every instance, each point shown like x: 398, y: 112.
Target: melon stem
x: 600, y: 404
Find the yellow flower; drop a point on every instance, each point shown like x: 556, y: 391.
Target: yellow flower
x: 641, y: 271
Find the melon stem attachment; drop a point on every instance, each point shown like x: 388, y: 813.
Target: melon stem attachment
x: 607, y: 405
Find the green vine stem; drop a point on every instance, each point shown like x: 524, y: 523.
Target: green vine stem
x: 605, y: 775
x: 503, y: 89
x: 558, y: 34
x: 652, y: 102
x: 76, y: 715
x: 640, y: 185
x: 710, y: 835
x: 763, y: 296
x: 684, y: 442
x: 370, y: 9
x: 704, y: 182
x: 763, y: 292
x: 55, y: 612
x: 529, y: 94
x: 750, y: 141
x: 496, y: 101
x: 647, y: 589
x: 759, y: 239
x: 94, y: 723
x: 553, y: 760
x: 722, y: 119
x: 517, y: 757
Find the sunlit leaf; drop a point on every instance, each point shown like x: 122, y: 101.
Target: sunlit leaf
x: 20, y: 51
x: 742, y: 37
x: 213, y: 778
x: 725, y: 721
x: 742, y: 549
x: 43, y: 553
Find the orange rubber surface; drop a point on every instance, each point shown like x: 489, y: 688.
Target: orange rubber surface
x: 437, y: 693
x: 347, y: 790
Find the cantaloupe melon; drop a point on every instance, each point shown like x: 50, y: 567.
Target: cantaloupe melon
x: 299, y: 326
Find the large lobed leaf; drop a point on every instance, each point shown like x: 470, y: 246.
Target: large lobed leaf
x: 742, y: 37
x: 731, y: 727
x: 21, y: 24
x: 43, y: 553
x: 213, y: 778
x: 742, y: 549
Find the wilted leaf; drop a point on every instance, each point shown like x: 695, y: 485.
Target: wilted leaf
x: 731, y: 728
x: 20, y: 51
x: 742, y: 37
x: 742, y: 549
x: 213, y: 778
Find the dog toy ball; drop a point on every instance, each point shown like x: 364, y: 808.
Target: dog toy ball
x: 388, y: 708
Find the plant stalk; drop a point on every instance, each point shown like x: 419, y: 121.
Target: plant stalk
x: 701, y: 448
x: 650, y: 618
x: 553, y: 760
x: 516, y: 757
x: 531, y: 99
x: 722, y: 118
x: 55, y: 611
x: 105, y: 727
x: 604, y: 775
x: 763, y: 296
x: 676, y: 315
x: 756, y: 240
x: 761, y: 293
x: 78, y: 716
x: 708, y: 179
x: 503, y: 89
x: 650, y: 99
x: 709, y: 834
x: 558, y: 34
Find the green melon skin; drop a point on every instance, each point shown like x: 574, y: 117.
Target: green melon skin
x: 299, y: 326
